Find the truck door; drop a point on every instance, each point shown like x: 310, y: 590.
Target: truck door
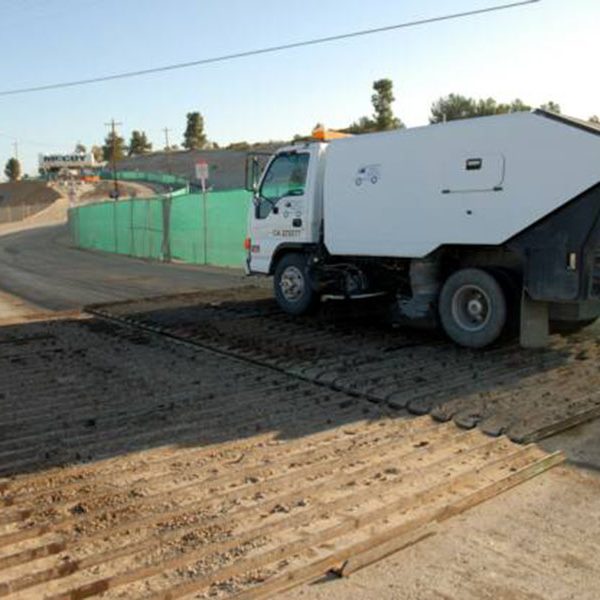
x: 474, y: 173
x: 279, y: 214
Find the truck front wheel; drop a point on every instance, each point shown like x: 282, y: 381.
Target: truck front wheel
x: 472, y: 308
x: 293, y: 289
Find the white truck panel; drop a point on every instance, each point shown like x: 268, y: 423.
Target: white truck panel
x: 405, y: 193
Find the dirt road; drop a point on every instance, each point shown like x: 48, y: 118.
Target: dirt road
x: 138, y: 467
x: 205, y: 445
x: 40, y: 266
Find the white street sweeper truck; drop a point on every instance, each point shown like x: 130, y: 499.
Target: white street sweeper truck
x: 476, y: 225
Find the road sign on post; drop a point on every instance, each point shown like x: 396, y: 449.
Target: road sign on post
x: 202, y: 175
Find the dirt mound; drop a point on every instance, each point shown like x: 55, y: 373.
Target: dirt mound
x: 101, y: 191
x: 22, y: 199
x: 52, y: 214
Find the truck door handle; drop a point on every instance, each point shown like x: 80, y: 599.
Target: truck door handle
x: 297, y: 222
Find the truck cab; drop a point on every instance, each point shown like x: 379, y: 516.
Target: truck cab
x: 287, y: 204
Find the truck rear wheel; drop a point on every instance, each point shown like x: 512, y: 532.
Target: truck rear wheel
x: 293, y: 289
x: 472, y: 308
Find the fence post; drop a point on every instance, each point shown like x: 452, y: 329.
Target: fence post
x: 166, y: 224
x: 113, y: 205
x: 205, y: 226
x: 131, y: 230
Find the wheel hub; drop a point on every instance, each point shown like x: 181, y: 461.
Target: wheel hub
x: 471, y: 308
x: 292, y: 284
x: 475, y: 308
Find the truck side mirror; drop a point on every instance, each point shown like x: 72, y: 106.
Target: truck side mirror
x: 256, y: 203
x: 252, y: 173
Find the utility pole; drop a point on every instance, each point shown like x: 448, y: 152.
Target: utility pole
x: 167, y: 149
x: 113, y: 128
x: 16, y: 147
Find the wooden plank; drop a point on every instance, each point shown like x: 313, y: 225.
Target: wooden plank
x: 19, y: 558
x: 14, y: 516
x: 557, y: 427
x: 286, y: 550
x: 287, y: 480
x: 449, y: 449
x: 347, y: 525
x: 295, y: 451
x: 382, y: 547
x: 146, y: 459
x: 318, y: 568
x: 514, y: 479
x: 191, y: 427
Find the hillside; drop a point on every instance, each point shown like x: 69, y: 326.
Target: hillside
x: 227, y: 167
x: 24, y: 198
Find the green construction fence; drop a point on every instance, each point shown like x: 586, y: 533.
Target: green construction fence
x: 162, y: 178
x: 194, y: 228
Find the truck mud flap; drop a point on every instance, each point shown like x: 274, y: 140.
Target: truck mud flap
x: 535, y: 323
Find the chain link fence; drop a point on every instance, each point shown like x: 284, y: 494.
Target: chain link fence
x: 206, y: 229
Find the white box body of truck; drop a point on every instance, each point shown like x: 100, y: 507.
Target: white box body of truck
x: 512, y: 199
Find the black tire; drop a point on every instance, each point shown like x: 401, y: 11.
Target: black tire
x: 512, y: 287
x: 293, y: 289
x: 569, y: 327
x: 473, y: 308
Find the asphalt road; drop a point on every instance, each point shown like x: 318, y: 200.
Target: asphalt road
x: 41, y: 266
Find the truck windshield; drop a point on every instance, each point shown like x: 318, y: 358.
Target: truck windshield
x: 286, y: 177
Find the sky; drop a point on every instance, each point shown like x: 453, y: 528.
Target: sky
x: 539, y: 52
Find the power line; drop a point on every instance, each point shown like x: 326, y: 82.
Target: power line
x: 268, y: 50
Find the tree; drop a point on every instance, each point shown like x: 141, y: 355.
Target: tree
x: 13, y: 169
x: 518, y: 105
x: 594, y: 119
x: 455, y: 106
x: 383, y: 118
x: 451, y: 108
x: 551, y: 107
x: 488, y: 107
x: 363, y: 125
x: 80, y: 148
x: 113, y: 143
x: 139, y: 143
x: 194, y: 137
x: 382, y: 101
